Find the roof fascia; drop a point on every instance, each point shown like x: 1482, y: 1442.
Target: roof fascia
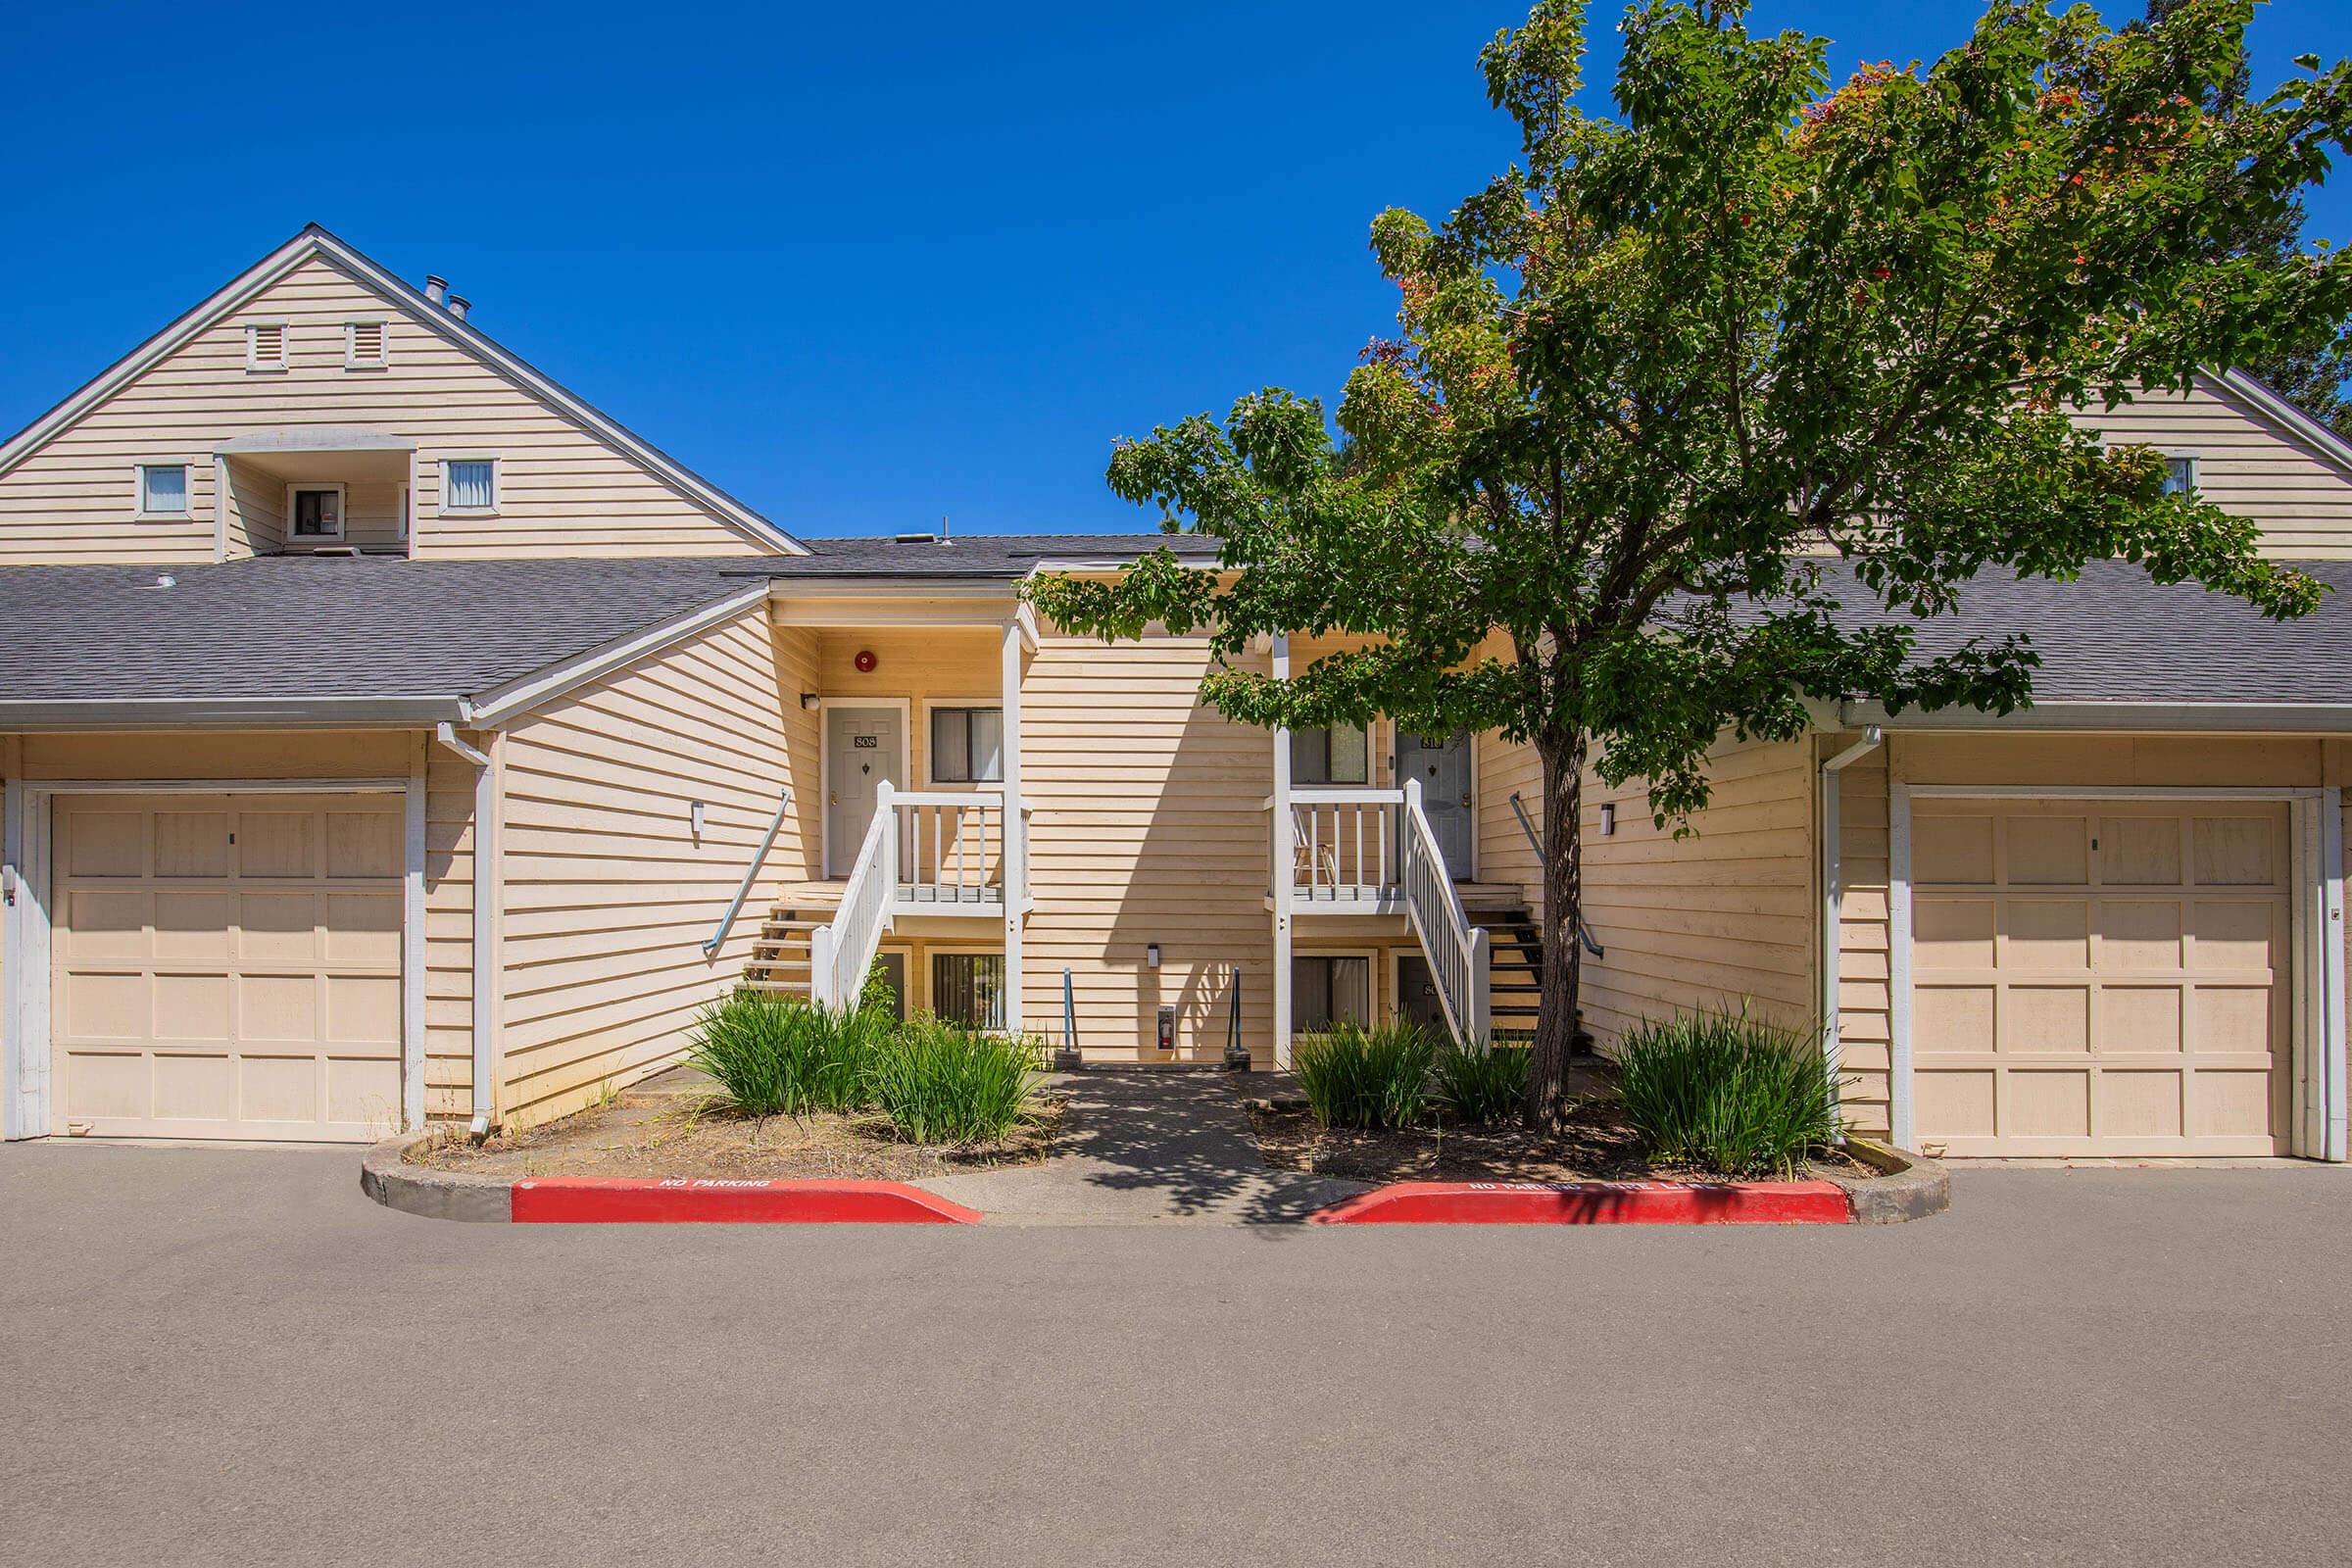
x: 513, y: 699
x: 231, y: 712
x: 2303, y: 718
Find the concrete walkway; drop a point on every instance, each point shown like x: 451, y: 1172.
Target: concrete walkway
x: 1149, y: 1145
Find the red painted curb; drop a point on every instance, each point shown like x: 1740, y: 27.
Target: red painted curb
x: 710, y: 1201
x: 1593, y: 1204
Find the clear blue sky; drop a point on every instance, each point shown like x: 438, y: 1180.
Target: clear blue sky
x: 862, y: 265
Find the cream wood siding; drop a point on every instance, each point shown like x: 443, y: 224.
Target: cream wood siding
x: 2245, y: 465
x: 231, y: 756
x: 1719, y: 918
x: 561, y: 491
x: 938, y: 666
x: 1148, y: 825
x: 1505, y: 854
x: 2051, y: 762
x: 606, y: 893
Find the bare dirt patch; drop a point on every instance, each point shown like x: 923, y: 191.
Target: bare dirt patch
x: 682, y: 1131
x: 1595, y: 1144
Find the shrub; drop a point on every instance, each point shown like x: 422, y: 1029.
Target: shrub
x: 878, y: 995
x: 1486, y: 1086
x: 1358, y: 1077
x: 941, y: 1083
x: 779, y: 1055
x: 1726, y: 1092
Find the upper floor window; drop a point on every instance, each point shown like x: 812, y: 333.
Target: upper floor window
x: 265, y: 345
x: 2179, y: 476
x: 469, y: 484
x: 314, y: 512
x: 968, y: 745
x: 1338, y: 753
x: 164, y: 490
x: 364, y: 345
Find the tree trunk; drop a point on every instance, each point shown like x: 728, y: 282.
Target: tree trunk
x: 1563, y: 758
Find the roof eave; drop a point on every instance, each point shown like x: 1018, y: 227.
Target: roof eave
x: 234, y: 713
x: 2149, y: 715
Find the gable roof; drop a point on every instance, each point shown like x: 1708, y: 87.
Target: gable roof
x: 314, y: 241
x: 1003, y: 555
x: 2323, y: 443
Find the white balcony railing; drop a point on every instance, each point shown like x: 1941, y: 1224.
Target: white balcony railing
x: 1345, y: 844
x: 924, y: 852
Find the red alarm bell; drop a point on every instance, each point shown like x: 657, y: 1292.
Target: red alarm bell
x: 865, y: 660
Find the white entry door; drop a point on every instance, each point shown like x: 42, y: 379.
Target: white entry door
x: 863, y: 746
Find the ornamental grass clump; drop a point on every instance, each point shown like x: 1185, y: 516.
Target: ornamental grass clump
x: 780, y: 1057
x: 1358, y: 1077
x: 1480, y: 1087
x: 943, y: 1083
x: 1725, y: 1093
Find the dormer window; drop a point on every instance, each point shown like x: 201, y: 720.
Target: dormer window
x: 265, y: 346
x: 164, y: 490
x: 2181, y: 476
x: 314, y: 512
x: 469, y: 484
x: 364, y: 345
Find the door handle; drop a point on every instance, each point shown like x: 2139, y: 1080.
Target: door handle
x: 833, y: 799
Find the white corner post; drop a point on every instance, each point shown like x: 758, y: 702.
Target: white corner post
x: 1279, y: 851
x: 1016, y: 827
x: 485, y: 923
x: 1832, y: 893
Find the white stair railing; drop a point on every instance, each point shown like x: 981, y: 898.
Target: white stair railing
x: 840, y: 953
x: 951, y: 849
x: 1455, y: 948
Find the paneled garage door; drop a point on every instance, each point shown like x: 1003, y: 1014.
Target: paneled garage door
x: 2101, y: 977
x: 227, y: 965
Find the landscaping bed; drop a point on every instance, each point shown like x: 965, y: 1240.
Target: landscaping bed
x: 1596, y: 1143
x: 674, y: 1125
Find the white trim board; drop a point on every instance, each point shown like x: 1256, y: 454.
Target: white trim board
x: 314, y: 241
x: 25, y: 1096
x: 2317, y: 1121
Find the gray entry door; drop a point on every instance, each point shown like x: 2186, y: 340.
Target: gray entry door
x: 1443, y: 765
x: 862, y: 748
x: 1417, y: 1000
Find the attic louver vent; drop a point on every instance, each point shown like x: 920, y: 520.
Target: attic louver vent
x: 265, y: 346
x: 362, y: 344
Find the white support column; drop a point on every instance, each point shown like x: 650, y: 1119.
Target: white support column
x: 1278, y: 852
x: 1016, y: 828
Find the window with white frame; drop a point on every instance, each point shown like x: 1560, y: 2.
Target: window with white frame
x: 469, y: 484
x: 265, y: 346
x: 968, y: 988
x: 364, y: 345
x: 968, y: 745
x: 1338, y: 753
x: 162, y: 490
x: 314, y: 512
x: 1325, y: 991
x: 2181, y: 476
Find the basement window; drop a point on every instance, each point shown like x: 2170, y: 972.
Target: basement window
x: 968, y: 745
x: 1329, y: 991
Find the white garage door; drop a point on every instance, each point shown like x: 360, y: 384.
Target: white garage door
x: 2094, y: 977
x: 227, y: 965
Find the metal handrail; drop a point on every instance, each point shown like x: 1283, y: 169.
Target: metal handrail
x: 1584, y: 932
x: 751, y: 874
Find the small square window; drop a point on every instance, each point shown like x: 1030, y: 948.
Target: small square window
x: 314, y: 512
x: 2179, y: 476
x: 364, y: 345
x: 265, y: 346
x: 469, y: 484
x: 164, y: 490
x: 968, y: 745
x: 968, y: 988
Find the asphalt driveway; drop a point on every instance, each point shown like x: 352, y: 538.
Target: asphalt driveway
x: 220, y: 1356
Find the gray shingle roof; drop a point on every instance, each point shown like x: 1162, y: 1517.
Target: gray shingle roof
x: 2113, y: 636
x: 363, y: 627
x: 982, y: 555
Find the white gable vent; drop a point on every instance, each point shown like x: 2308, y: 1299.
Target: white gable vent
x: 364, y: 345
x: 265, y: 345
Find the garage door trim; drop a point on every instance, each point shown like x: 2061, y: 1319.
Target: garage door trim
x: 28, y: 833
x: 2318, y: 1123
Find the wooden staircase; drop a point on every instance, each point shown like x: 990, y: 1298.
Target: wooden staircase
x: 780, y: 963
x: 1514, y: 960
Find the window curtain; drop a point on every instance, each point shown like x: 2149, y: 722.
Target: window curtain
x: 166, y: 490
x: 469, y: 486
x: 968, y: 988
x: 1339, y: 754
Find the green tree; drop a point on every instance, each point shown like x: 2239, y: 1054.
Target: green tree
x: 1656, y: 378
x: 2312, y: 378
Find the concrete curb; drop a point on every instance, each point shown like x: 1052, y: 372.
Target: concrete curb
x: 1909, y: 1186
x: 1810, y: 1203
x: 386, y: 1176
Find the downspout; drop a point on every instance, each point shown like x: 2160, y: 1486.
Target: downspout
x: 1832, y: 870
x: 486, y: 924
